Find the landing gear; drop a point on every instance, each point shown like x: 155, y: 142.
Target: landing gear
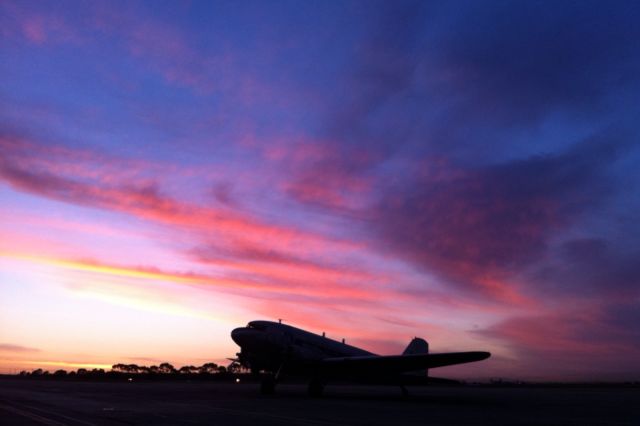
x: 316, y: 387
x: 268, y: 385
x: 405, y: 392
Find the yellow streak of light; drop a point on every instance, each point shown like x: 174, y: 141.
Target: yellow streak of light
x: 133, y: 272
x: 104, y: 269
x: 137, y: 301
x: 147, y: 305
x: 58, y: 364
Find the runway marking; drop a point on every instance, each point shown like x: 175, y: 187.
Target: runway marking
x: 32, y: 416
x: 53, y: 413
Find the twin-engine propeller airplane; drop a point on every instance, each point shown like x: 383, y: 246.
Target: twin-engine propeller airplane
x: 278, y: 349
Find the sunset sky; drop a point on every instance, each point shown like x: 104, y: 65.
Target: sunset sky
x: 467, y: 172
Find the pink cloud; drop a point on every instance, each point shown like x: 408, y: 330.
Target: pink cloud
x: 34, y: 30
x: 23, y: 20
x: 251, y: 252
x: 315, y: 174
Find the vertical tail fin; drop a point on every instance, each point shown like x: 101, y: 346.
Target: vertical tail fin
x: 417, y: 346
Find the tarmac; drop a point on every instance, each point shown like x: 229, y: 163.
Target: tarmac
x: 54, y: 403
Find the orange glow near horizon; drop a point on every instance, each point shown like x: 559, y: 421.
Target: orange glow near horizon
x: 54, y: 364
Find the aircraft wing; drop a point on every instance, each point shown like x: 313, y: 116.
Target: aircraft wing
x: 395, y: 364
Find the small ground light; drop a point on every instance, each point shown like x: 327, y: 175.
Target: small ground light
x: 237, y: 380
x: 130, y: 379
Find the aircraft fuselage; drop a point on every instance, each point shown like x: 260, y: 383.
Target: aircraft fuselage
x: 276, y: 349
x: 267, y: 345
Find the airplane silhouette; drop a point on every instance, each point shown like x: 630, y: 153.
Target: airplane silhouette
x: 278, y: 349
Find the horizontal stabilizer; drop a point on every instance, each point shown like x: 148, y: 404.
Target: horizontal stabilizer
x: 394, y: 364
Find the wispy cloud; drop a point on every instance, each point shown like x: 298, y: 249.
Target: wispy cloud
x: 8, y: 347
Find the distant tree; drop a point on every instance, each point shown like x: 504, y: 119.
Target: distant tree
x: 37, y: 372
x: 24, y: 373
x: 154, y: 369
x: 82, y: 371
x: 234, y: 367
x: 127, y: 368
x: 188, y: 369
x: 221, y: 369
x: 59, y: 373
x: 166, y: 368
x: 209, y: 368
x: 97, y: 371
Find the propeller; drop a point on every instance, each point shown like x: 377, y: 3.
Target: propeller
x: 240, y: 358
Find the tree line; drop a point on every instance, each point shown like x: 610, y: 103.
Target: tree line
x: 165, y: 369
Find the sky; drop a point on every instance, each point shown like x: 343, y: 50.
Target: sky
x: 466, y: 172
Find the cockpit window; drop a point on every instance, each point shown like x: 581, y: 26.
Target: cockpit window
x: 257, y: 325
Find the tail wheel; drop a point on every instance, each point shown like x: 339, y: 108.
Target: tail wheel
x: 405, y: 392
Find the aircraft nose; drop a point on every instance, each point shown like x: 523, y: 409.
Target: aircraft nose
x: 240, y: 335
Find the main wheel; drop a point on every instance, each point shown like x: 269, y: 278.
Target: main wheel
x: 316, y: 387
x: 268, y: 385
